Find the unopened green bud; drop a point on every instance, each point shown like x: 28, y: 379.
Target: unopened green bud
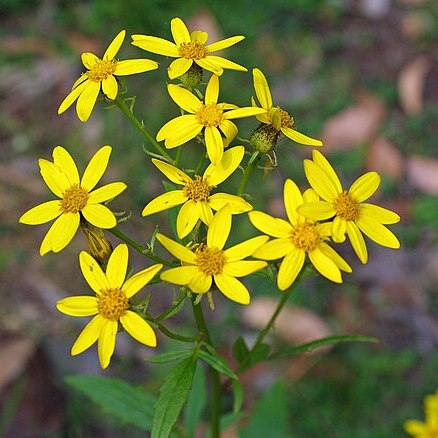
x: 99, y: 247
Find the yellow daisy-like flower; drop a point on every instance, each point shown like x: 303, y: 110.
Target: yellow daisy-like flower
x: 189, y: 48
x: 110, y: 305
x: 428, y: 429
x: 101, y: 76
x: 198, y: 202
x: 275, y: 116
x: 351, y: 215
x: 209, y: 117
x: 296, y: 238
x: 77, y: 198
x: 209, y: 262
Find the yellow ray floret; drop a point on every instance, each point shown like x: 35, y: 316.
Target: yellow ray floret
x: 77, y: 198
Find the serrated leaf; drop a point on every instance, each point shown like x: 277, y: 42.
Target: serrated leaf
x: 330, y: 340
x: 130, y: 404
x: 240, y: 350
x: 218, y: 364
x: 196, y: 402
x: 172, y: 356
x: 173, y: 395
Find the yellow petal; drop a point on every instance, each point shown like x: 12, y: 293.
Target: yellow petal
x: 106, y: 192
x: 200, y: 283
x: 87, y: 100
x: 115, y: 45
x: 290, y: 267
x: 78, y: 306
x: 89, y: 60
x: 199, y: 35
x: 96, y: 168
x: 261, y: 88
x: 292, y: 200
x: 220, y: 228
x: 164, y: 202
x: 42, y: 213
x: 321, y: 181
x: 300, y: 138
x: 176, y: 249
x: 187, y: 218
x: 243, y: 112
x: 100, y: 216
x: 365, y: 186
x: 110, y: 87
x: 338, y: 229
x: 188, y: 129
x: 269, y: 225
x: 139, y: 329
x: 274, y: 249
x: 180, y: 275
x: 73, y: 95
x: 241, y: 268
x: 107, y: 342
x: 232, y: 288
x: 377, y: 232
x: 229, y: 163
x: 325, y: 266
x: 88, y: 335
x: 237, y: 204
x: 178, y: 67
x: 65, y: 162
x: 223, y: 44
x: 93, y: 273
x: 63, y: 230
x: 177, y: 124
x: 133, y: 284
x: 214, y: 144
x: 323, y: 163
x: 174, y: 174
x: 317, y: 211
x: 244, y: 249
x: 117, y: 266
x: 206, y: 64
x: 335, y: 257
x: 416, y: 428
x: 212, y: 90
x: 380, y: 214
x: 205, y: 212
x: 179, y: 31
x: 134, y: 66
x: 229, y: 129
x: 56, y: 181
x: 155, y: 45
x: 357, y: 242
x: 184, y: 98
x: 225, y: 63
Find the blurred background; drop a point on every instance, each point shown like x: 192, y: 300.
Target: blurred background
x: 361, y: 75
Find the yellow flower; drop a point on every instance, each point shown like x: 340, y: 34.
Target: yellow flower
x: 276, y: 117
x: 189, y: 48
x: 428, y: 429
x: 198, y: 203
x: 209, y: 117
x: 351, y: 215
x: 101, y: 75
x: 77, y: 198
x: 209, y: 261
x: 296, y: 238
x: 110, y: 305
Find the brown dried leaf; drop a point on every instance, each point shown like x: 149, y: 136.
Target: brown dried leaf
x: 385, y: 158
x: 354, y: 125
x: 422, y: 173
x: 411, y: 84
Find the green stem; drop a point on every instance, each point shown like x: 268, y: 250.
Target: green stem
x: 246, y: 174
x: 172, y: 335
x: 214, y: 375
x: 145, y: 251
x: 122, y: 105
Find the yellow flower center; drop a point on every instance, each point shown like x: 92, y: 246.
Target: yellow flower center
x: 305, y: 236
x: 346, y: 207
x: 197, y: 189
x: 210, y: 115
x: 112, y: 304
x: 101, y: 70
x: 432, y: 432
x: 286, y: 120
x: 210, y: 260
x: 74, y: 199
x: 193, y: 50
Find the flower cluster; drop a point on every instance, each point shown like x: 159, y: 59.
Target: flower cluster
x: 317, y: 219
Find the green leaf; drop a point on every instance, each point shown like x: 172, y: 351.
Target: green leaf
x: 226, y: 421
x: 196, y: 401
x: 330, y: 340
x: 238, y: 395
x: 260, y: 353
x: 240, y: 350
x: 218, y: 364
x: 270, y: 415
x: 172, y: 356
x: 173, y: 395
x: 128, y: 403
